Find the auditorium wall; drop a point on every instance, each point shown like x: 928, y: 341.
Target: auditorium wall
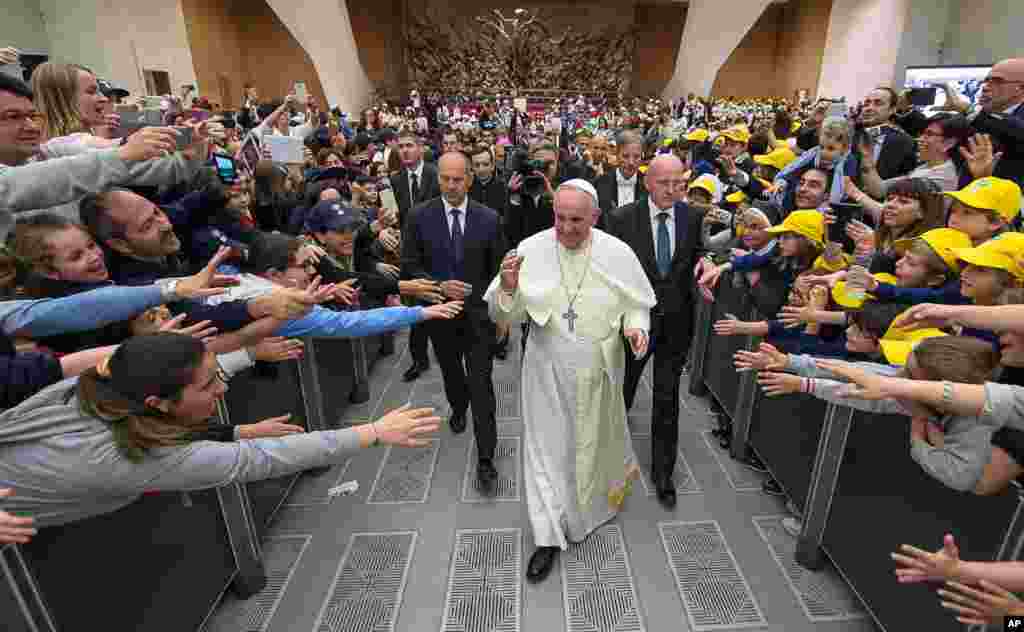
x: 235, y: 42
x: 862, y: 46
x: 659, y: 30
x: 781, y: 53
x: 22, y: 26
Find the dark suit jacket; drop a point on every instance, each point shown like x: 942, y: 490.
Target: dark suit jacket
x: 429, y: 189
x: 427, y: 248
x: 493, y: 196
x: 608, y: 193
x: 898, y: 156
x: 1008, y: 134
x: 676, y: 293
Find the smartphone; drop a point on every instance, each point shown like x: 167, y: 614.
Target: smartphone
x: 300, y: 92
x: 923, y: 97
x: 838, y: 108
x: 184, y: 137
x: 845, y: 213
x: 227, y: 170
x: 131, y: 122
x: 122, y: 108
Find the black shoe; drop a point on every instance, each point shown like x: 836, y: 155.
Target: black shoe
x: 666, y: 490
x: 387, y: 348
x: 457, y: 422
x: 501, y: 353
x: 414, y: 372
x: 755, y: 463
x: 725, y: 441
x: 487, y: 477
x: 541, y: 562
x: 772, y: 487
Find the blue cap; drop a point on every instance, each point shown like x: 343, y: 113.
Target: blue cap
x: 332, y: 216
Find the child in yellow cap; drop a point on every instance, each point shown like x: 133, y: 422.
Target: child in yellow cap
x: 992, y: 268
x: 984, y: 208
x: 928, y: 270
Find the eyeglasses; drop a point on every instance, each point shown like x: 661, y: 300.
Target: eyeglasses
x: 931, y: 133
x: 13, y: 118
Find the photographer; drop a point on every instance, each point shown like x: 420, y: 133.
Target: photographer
x: 530, y: 207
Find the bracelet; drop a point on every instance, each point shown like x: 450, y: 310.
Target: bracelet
x: 947, y: 393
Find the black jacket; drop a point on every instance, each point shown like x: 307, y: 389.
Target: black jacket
x: 527, y: 218
x: 493, y: 195
x: 608, y: 193
x: 428, y: 190
x: 24, y: 374
x: 898, y: 156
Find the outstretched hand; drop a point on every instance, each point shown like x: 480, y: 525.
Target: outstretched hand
x: 914, y: 565
x: 766, y: 358
x: 979, y: 605
x: 207, y: 282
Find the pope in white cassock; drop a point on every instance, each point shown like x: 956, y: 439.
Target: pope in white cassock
x: 583, y: 290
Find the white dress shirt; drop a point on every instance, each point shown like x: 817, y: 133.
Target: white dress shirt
x: 670, y: 223
x: 627, y: 188
x: 451, y: 218
x: 419, y: 180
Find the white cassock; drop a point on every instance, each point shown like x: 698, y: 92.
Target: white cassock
x: 578, y: 460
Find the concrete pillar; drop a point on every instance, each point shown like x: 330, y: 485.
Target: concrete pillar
x: 713, y: 30
x: 323, y: 28
x: 862, y: 47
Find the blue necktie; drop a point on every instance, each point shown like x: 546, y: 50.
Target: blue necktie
x: 457, y: 237
x: 664, y: 254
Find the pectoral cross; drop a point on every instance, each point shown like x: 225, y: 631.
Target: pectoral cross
x: 570, y: 316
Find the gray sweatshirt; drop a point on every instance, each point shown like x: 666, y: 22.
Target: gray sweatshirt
x: 64, y: 466
x: 967, y: 448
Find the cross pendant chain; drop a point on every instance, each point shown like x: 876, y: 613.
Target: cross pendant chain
x: 570, y: 316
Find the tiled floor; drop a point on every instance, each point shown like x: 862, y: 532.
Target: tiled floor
x: 416, y: 548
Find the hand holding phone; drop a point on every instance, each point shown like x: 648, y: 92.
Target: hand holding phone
x: 184, y: 137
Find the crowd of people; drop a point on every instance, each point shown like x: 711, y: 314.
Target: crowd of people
x: 153, y: 247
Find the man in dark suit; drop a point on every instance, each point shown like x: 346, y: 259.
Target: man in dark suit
x: 666, y: 238
x: 460, y: 244
x: 894, y: 151
x: 416, y: 183
x: 623, y: 185
x: 1002, y: 116
x: 488, y: 188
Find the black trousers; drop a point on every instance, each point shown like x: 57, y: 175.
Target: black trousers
x: 418, y: 345
x: 463, y: 349
x: 669, y: 350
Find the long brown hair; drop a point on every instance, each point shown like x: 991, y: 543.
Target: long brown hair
x: 933, y: 211
x: 159, y: 365
x: 56, y: 96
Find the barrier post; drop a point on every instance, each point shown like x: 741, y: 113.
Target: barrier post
x: 241, y: 529
x: 361, y: 389
x: 309, y: 382
x: 1013, y: 540
x: 824, y: 478
x: 740, y: 443
x: 20, y: 584
x: 699, y: 348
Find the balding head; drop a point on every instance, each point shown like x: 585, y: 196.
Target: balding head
x: 1004, y: 87
x: 663, y: 179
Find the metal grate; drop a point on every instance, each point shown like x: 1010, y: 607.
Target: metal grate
x: 311, y: 490
x: 822, y: 594
x: 507, y: 461
x: 686, y: 482
x: 506, y: 394
x: 485, y: 582
x: 281, y: 555
x: 740, y: 477
x: 715, y: 593
x: 405, y: 475
x: 367, y: 589
x: 597, y: 585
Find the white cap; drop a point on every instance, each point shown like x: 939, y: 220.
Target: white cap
x: 580, y: 185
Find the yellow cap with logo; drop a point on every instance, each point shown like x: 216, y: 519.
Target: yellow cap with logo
x: 1003, y: 252
x: 737, y: 133
x: 698, y: 135
x: 778, y: 158
x: 991, y: 194
x: 944, y: 242
x: 707, y: 182
x: 810, y: 224
x: 842, y: 296
x: 736, y: 197
x: 897, y: 343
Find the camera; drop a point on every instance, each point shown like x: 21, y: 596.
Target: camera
x: 518, y: 161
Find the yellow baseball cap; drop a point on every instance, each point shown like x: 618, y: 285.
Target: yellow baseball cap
x: 778, y: 158
x: 736, y: 197
x: 897, y: 344
x: 842, y: 296
x: 706, y: 182
x: 943, y: 241
x: 991, y: 194
x: 667, y: 142
x: 698, y: 135
x: 810, y: 224
x: 737, y: 133
x: 1001, y: 252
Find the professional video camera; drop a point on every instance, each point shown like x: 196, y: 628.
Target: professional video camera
x: 518, y: 161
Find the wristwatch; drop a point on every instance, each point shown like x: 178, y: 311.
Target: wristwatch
x: 168, y: 288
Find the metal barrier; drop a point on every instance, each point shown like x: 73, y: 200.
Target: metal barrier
x: 851, y: 475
